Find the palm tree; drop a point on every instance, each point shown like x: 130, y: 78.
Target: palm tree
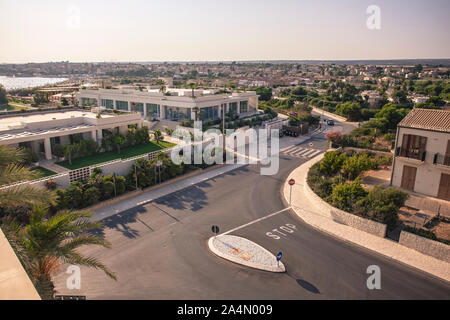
x: 68, y: 151
x: 12, y: 170
x: 158, y: 135
x: 193, y: 86
x: 118, y: 141
x: 46, y: 243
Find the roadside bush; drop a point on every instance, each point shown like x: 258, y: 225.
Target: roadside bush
x: 381, y: 205
x: 353, y: 166
x: 91, y: 196
x: 332, y: 163
x: 345, y: 195
x: 319, y: 184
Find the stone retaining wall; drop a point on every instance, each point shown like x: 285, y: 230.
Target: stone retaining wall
x: 340, y: 216
x: 426, y: 246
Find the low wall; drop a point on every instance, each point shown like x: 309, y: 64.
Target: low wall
x: 329, y: 114
x: 340, y: 216
x: 138, y: 192
x: 359, y: 150
x: 426, y: 246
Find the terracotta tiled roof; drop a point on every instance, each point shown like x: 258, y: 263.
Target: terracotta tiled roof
x: 427, y: 119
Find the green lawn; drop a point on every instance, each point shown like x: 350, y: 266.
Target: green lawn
x: 44, y: 172
x: 125, y: 153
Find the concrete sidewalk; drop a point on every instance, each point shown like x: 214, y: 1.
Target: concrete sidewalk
x: 146, y: 197
x: 308, y: 211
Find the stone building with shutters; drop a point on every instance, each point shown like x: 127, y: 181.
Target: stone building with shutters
x: 422, y: 153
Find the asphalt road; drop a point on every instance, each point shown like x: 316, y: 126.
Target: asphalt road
x: 160, y: 250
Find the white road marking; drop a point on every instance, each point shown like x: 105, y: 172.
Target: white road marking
x: 257, y: 220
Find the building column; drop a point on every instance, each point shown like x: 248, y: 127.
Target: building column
x: 163, y: 113
x: 192, y: 115
x: 238, y: 109
x: 94, y: 135
x: 99, y: 137
x: 129, y: 106
x: 145, y: 111
x: 48, y: 149
x: 139, y: 125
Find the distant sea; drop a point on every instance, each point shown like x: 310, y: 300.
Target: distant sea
x: 11, y: 83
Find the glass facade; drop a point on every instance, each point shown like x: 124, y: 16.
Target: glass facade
x: 108, y: 104
x: 153, y: 110
x: 210, y: 113
x: 122, y: 105
x: 233, y: 106
x: 176, y: 113
x: 243, y: 106
x: 89, y: 102
x: 137, y: 107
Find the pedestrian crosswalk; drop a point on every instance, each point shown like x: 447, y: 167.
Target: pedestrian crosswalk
x: 299, y: 152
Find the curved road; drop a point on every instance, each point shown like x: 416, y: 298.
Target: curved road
x: 160, y: 249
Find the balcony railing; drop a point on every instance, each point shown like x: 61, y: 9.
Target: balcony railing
x: 411, y: 153
x: 441, y: 159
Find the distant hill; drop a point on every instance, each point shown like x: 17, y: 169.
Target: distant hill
x: 403, y: 62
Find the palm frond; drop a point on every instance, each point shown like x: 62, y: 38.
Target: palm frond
x: 75, y: 258
x: 10, y: 155
x: 28, y: 195
x: 14, y: 172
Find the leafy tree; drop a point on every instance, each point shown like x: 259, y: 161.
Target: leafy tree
x: 118, y: 142
x: 345, y: 195
x: 265, y: 94
x: 3, y: 99
x: 353, y: 166
x: 391, y: 114
x: 332, y: 163
x: 45, y: 243
x: 158, y: 135
x: 350, y: 110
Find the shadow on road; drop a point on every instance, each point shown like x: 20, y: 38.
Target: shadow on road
x: 308, y: 286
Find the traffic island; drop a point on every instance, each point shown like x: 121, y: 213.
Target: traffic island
x: 245, y: 252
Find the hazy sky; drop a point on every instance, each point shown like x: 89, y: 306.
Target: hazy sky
x: 227, y: 30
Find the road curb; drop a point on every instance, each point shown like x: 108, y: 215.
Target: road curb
x: 237, y: 260
x: 394, y: 251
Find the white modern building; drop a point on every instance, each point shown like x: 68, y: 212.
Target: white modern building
x: 179, y: 105
x: 40, y: 131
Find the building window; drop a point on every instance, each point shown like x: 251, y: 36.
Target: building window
x: 153, y: 110
x: 233, y: 107
x: 244, y: 106
x: 413, y: 147
x: 88, y: 102
x: 122, y: 105
x: 108, y: 104
x: 176, y: 113
x: 137, y: 107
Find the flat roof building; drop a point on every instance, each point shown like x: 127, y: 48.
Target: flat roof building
x: 40, y: 131
x: 181, y: 104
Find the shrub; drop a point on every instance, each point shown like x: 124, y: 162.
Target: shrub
x: 73, y: 196
x: 335, y: 137
x: 332, y: 163
x: 345, y: 195
x: 382, y: 205
x: 355, y: 165
x: 91, y: 196
x: 50, y: 184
